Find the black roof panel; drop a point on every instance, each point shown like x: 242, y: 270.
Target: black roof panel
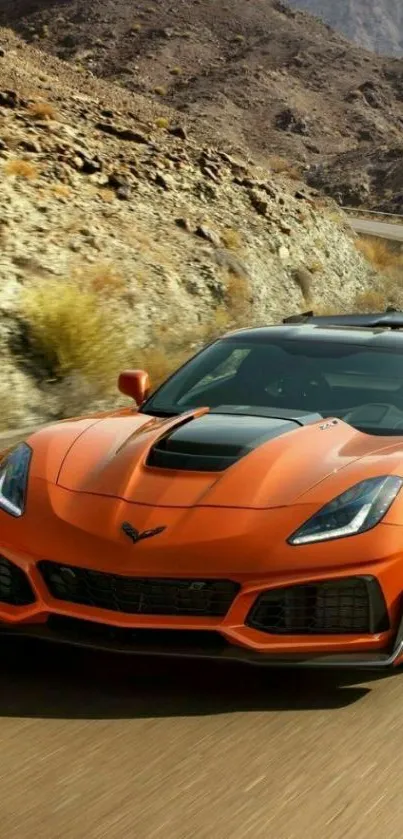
x: 384, y: 329
x: 388, y: 320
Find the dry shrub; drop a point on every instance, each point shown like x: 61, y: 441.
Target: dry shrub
x: 176, y: 71
x: 293, y: 174
x: 170, y: 348
x: 219, y: 323
x: 162, y: 122
x: 238, y: 298
x: 387, y: 290
x: 19, y: 168
x: 107, y: 195
x: 282, y: 166
x: 315, y: 267
x: 61, y: 190
x: 370, y: 301
x: 71, y: 331
x: 42, y: 111
x: 232, y: 239
x: 158, y: 365
x: 379, y: 253
x: 160, y: 90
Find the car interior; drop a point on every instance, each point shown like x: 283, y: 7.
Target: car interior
x: 348, y: 387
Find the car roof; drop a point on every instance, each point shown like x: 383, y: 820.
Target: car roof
x: 383, y: 329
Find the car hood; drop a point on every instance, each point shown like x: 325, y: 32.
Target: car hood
x: 215, y: 459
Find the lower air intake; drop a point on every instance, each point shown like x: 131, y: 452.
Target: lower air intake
x: 147, y: 640
x: 349, y: 606
x: 15, y: 589
x: 136, y: 595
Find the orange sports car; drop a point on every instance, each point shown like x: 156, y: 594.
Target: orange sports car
x: 250, y: 509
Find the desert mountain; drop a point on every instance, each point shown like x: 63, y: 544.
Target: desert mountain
x: 374, y: 24
x: 256, y: 75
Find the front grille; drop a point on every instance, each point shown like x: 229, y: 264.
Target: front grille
x: 136, y: 595
x: 15, y: 589
x: 353, y: 605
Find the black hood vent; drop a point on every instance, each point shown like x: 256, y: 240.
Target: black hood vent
x: 217, y: 440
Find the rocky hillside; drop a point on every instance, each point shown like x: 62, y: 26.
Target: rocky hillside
x: 127, y: 240
x: 370, y: 179
x: 374, y: 24
x: 255, y: 74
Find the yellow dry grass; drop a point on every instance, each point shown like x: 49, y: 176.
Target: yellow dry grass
x: 19, y: 168
x: 162, y: 123
x: 71, y: 331
x: 369, y: 301
x: 232, y: 239
x: 380, y: 253
x: 42, y: 111
x: 107, y: 195
x: 61, y: 190
x: 282, y: 166
x: 238, y: 295
x: 315, y: 267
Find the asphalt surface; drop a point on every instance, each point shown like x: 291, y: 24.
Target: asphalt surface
x: 385, y: 230
x: 94, y: 746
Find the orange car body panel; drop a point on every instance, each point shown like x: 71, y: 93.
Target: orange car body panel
x: 89, y: 475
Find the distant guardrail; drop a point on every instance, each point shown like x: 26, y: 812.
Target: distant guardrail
x: 355, y: 210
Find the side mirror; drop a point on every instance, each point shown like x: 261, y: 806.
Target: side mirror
x: 135, y: 383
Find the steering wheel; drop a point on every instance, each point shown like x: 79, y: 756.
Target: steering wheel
x: 314, y: 390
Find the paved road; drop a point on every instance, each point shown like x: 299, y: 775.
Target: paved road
x: 384, y: 230
x: 96, y: 747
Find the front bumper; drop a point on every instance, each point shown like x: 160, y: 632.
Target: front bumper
x: 226, y: 547
x: 37, y: 611
x: 42, y: 607
x: 192, y: 645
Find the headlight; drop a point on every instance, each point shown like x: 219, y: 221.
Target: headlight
x: 13, y: 480
x: 355, y: 511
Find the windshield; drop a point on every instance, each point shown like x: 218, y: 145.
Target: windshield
x: 360, y: 385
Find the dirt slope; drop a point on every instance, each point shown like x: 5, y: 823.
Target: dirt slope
x: 253, y: 73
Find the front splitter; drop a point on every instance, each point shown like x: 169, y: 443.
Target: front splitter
x: 90, y: 635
